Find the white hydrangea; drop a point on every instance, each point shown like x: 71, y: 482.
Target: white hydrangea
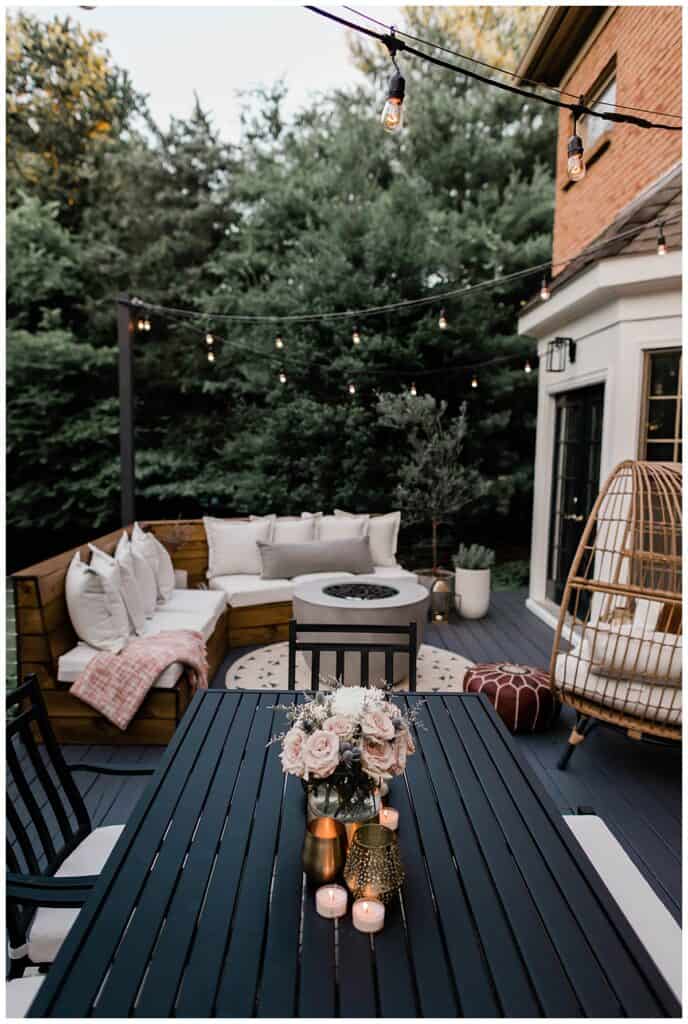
x: 351, y: 700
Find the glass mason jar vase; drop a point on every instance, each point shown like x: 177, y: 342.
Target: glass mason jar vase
x: 324, y: 802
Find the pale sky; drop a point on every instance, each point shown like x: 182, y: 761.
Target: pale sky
x: 171, y: 51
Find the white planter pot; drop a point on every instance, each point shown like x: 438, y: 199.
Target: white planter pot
x: 472, y: 592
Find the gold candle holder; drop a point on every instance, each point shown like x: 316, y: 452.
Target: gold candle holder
x: 373, y: 869
x: 324, y: 850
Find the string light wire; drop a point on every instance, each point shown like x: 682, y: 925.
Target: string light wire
x: 500, y: 70
x: 396, y: 45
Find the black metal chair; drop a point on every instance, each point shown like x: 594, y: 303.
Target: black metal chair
x: 340, y: 649
x: 47, y: 823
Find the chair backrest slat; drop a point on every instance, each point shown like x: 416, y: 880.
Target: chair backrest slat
x: 30, y: 802
x: 49, y: 787
x: 340, y: 648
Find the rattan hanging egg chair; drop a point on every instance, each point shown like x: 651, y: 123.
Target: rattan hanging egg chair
x: 621, y: 610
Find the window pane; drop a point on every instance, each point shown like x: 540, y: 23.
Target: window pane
x: 660, y: 452
x: 595, y: 126
x: 661, y: 419
x: 664, y: 368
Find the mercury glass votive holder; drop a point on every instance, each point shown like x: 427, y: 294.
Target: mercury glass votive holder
x: 373, y: 869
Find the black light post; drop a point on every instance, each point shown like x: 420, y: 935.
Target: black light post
x: 125, y: 337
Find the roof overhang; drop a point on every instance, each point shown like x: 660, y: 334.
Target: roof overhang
x: 558, y: 39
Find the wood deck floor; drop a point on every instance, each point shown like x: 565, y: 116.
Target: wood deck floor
x: 634, y: 787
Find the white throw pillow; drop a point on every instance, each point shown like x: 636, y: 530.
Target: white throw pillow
x: 623, y: 652
x: 129, y: 588
x: 290, y: 529
x: 145, y: 577
x: 233, y: 547
x: 383, y: 534
x: 146, y: 545
x: 95, y: 604
x: 342, y: 528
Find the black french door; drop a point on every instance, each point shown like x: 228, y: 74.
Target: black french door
x: 575, y: 478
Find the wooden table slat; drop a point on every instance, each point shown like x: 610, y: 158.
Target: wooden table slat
x: 201, y: 978
x: 559, y: 852
x: 158, y: 995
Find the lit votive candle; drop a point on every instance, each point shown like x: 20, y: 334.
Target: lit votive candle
x: 331, y: 900
x: 368, y: 915
x: 389, y: 817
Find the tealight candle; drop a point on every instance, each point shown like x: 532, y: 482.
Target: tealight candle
x: 331, y: 900
x: 389, y: 817
x: 368, y: 915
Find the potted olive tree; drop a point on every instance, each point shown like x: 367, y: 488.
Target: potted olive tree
x: 433, y: 482
x: 472, y: 564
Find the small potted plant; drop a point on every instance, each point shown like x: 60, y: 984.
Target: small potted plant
x: 472, y: 565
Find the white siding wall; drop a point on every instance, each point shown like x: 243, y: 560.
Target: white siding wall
x: 616, y: 311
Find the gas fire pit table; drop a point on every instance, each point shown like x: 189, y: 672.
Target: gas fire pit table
x: 364, y: 601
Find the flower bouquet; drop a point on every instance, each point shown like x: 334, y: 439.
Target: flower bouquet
x: 343, y: 745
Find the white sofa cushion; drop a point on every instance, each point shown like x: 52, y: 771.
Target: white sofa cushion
x: 342, y: 528
x: 243, y: 590
x: 233, y: 547
x: 289, y: 529
x: 307, y: 577
x: 145, y: 577
x: 95, y: 604
x: 383, y: 534
x: 395, y: 572
x: 572, y: 673
x: 51, y: 924
x: 186, y: 609
x: 19, y: 995
x: 129, y: 588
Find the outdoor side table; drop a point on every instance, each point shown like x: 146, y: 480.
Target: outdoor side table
x: 199, y: 911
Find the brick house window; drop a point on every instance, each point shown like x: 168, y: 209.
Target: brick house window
x: 601, y: 95
x: 660, y: 439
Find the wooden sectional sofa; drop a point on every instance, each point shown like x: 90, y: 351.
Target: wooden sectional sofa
x: 45, y: 632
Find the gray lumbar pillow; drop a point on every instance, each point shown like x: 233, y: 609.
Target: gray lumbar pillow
x: 282, y: 561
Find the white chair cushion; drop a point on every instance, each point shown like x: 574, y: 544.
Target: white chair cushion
x: 233, y: 547
x: 644, y: 911
x: 653, y: 703
x: 51, y: 924
x: 626, y: 651
x: 129, y: 588
x: 95, y: 605
x: 383, y: 534
x: 71, y: 664
x: 289, y: 529
x: 20, y: 993
x: 243, y: 590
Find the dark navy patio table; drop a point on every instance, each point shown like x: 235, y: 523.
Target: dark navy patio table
x: 202, y: 909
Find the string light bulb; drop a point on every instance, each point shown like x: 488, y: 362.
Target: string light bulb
x: 528, y: 368
x: 474, y: 381
x: 356, y: 335
x: 282, y: 377
x: 140, y: 326
x: 352, y: 388
x: 392, y: 112
x: 279, y: 342
x: 575, y: 164
x: 413, y: 389
x: 146, y: 324
x: 443, y: 323
x: 544, y: 289
x: 661, y: 242
x: 211, y: 356
x: 209, y: 340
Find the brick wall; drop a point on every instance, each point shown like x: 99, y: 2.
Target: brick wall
x: 646, y: 42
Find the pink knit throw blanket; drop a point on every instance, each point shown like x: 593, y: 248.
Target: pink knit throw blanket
x: 117, y: 684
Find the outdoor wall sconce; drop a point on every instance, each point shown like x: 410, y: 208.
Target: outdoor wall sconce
x: 556, y: 354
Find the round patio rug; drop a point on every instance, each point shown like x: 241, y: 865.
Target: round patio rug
x: 266, y: 669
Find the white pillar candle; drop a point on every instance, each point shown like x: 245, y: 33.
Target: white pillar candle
x: 331, y: 900
x: 389, y: 817
x: 368, y: 915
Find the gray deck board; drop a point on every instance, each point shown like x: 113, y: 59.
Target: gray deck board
x: 634, y: 787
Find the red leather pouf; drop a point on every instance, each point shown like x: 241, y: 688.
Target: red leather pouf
x: 520, y: 695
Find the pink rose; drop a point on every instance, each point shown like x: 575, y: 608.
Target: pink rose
x: 378, y: 725
x: 378, y: 755
x: 292, y: 752
x: 321, y: 753
x: 340, y: 725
